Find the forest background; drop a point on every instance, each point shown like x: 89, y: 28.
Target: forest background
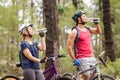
x: 15, y: 12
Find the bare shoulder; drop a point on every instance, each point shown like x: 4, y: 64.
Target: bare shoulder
x: 73, y: 33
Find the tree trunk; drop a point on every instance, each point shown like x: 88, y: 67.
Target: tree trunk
x: 108, y: 30
x: 100, y: 6
x: 75, y: 4
x: 78, y: 4
x: 31, y: 12
x: 51, y: 23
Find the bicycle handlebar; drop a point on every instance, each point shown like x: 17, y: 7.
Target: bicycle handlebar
x: 43, y: 60
x: 103, y: 62
x: 101, y: 53
x: 53, y: 58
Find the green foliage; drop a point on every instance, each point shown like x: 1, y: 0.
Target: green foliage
x: 66, y: 63
x: 9, y: 37
x: 112, y: 69
x: 9, y: 68
x: 66, y: 18
x: 116, y: 39
x: 60, y: 10
x: 115, y: 12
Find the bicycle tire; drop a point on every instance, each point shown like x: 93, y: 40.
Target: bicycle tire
x: 67, y: 76
x: 10, y: 77
x: 104, y: 77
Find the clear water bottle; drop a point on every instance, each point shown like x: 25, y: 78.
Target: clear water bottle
x: 91, y: 19
x: 40, y: 30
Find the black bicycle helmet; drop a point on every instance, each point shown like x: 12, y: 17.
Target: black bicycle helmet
x: 78, y: 14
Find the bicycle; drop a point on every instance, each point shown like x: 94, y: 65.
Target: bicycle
x: 99, y: 75
x: 51, y: 70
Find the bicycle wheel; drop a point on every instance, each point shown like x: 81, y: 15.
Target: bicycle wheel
x: 104, y: 77
x: 10, y: 77
x: 67, y: 76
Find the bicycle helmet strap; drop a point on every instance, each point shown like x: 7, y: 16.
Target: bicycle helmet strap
x: 83, y: 23
x: 28, y: 33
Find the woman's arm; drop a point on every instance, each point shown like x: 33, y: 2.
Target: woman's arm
x: 42, y: 46
x: 28, y: 54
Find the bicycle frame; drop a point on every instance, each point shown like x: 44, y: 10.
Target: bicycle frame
x: 94, y: 74
x: 77, y: 75
x: 51, y: 70
x: 93, y: 68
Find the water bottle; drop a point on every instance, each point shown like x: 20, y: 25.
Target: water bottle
x: 91, y: 19
x: 40, y: 30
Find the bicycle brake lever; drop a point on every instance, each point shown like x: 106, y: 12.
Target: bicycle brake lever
x: 62, y: 55
x: 43, y: 60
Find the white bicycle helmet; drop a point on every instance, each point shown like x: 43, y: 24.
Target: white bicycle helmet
x: 23, y: 27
